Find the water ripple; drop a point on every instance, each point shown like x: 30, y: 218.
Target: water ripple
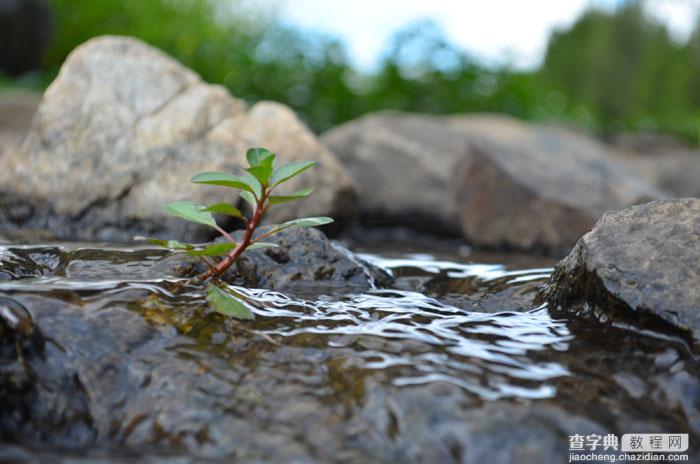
x: 487, y: 354
x: 408, y: 336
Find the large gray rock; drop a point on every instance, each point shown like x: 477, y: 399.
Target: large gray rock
x: 123, y: 128
x: 664, y: 161
x: 641, y: 263
x: 505, y: 183
x: 536, y: 187
x: 404, y: 166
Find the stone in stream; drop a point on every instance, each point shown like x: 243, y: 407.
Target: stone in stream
x: 124, y: 127
x: 504, y: 183
x: 641, y: 263
x: 403, y: 165
x: 130, y: 371
x: 304, y: 262
x: 493, y: 432
x: 124, y: 374
x: 21, y: 342
x: 123, y: 380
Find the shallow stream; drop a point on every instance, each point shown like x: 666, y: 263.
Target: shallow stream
x: 455, y: 353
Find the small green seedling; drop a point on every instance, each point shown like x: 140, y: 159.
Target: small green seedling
x: 256, y: 188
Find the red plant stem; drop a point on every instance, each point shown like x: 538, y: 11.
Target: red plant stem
x: 225, y: 234
x: 231, y: 257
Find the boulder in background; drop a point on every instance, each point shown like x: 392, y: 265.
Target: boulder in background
x: 123, y: 128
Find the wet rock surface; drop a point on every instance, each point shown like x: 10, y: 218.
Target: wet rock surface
x: 641, y: 263
x: 208, y: 394
x: 123, y: 127
x: 20, y: 342
x: 488, y: 288
x: 504, y: 183
x: 305, y: 261
x: 130, y: 368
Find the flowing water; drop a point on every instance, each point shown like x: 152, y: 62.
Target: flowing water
x: 465, y: 325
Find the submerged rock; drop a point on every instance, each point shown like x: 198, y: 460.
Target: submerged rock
x: 21, y: 343
x: 113, y: 379
x: 642, y: 263
x: 18, y: 262
x: 504, y: 183
x: 495, y: 432
x: 124, y: 127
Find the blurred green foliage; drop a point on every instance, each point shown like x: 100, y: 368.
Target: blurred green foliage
x: 249, y: 52
x: 627, y: 71
x: 609, y: 72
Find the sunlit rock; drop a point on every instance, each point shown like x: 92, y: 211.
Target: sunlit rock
x: 123, y: 128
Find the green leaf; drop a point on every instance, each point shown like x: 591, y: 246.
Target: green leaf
x: 260, y: 157
x: 261, y: 173
x: 259, y: 245
x: 249, y: 198
x: 216, y: 249
x: 190, y: 212
x: 303, y: 222
x: 247, y: 182
x: 226, y: 304
x: 170, y: 244
x: 254, y: 184
x: 307, y: 222
x: 290, y: 170
x: 277, y: 199
x: 225, y: 208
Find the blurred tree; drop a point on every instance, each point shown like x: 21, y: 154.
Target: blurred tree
x: 253, y: 55
x: 609, y: 71
x: 623, y: 66
x: 422, y: 71
x: 25, y: 27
